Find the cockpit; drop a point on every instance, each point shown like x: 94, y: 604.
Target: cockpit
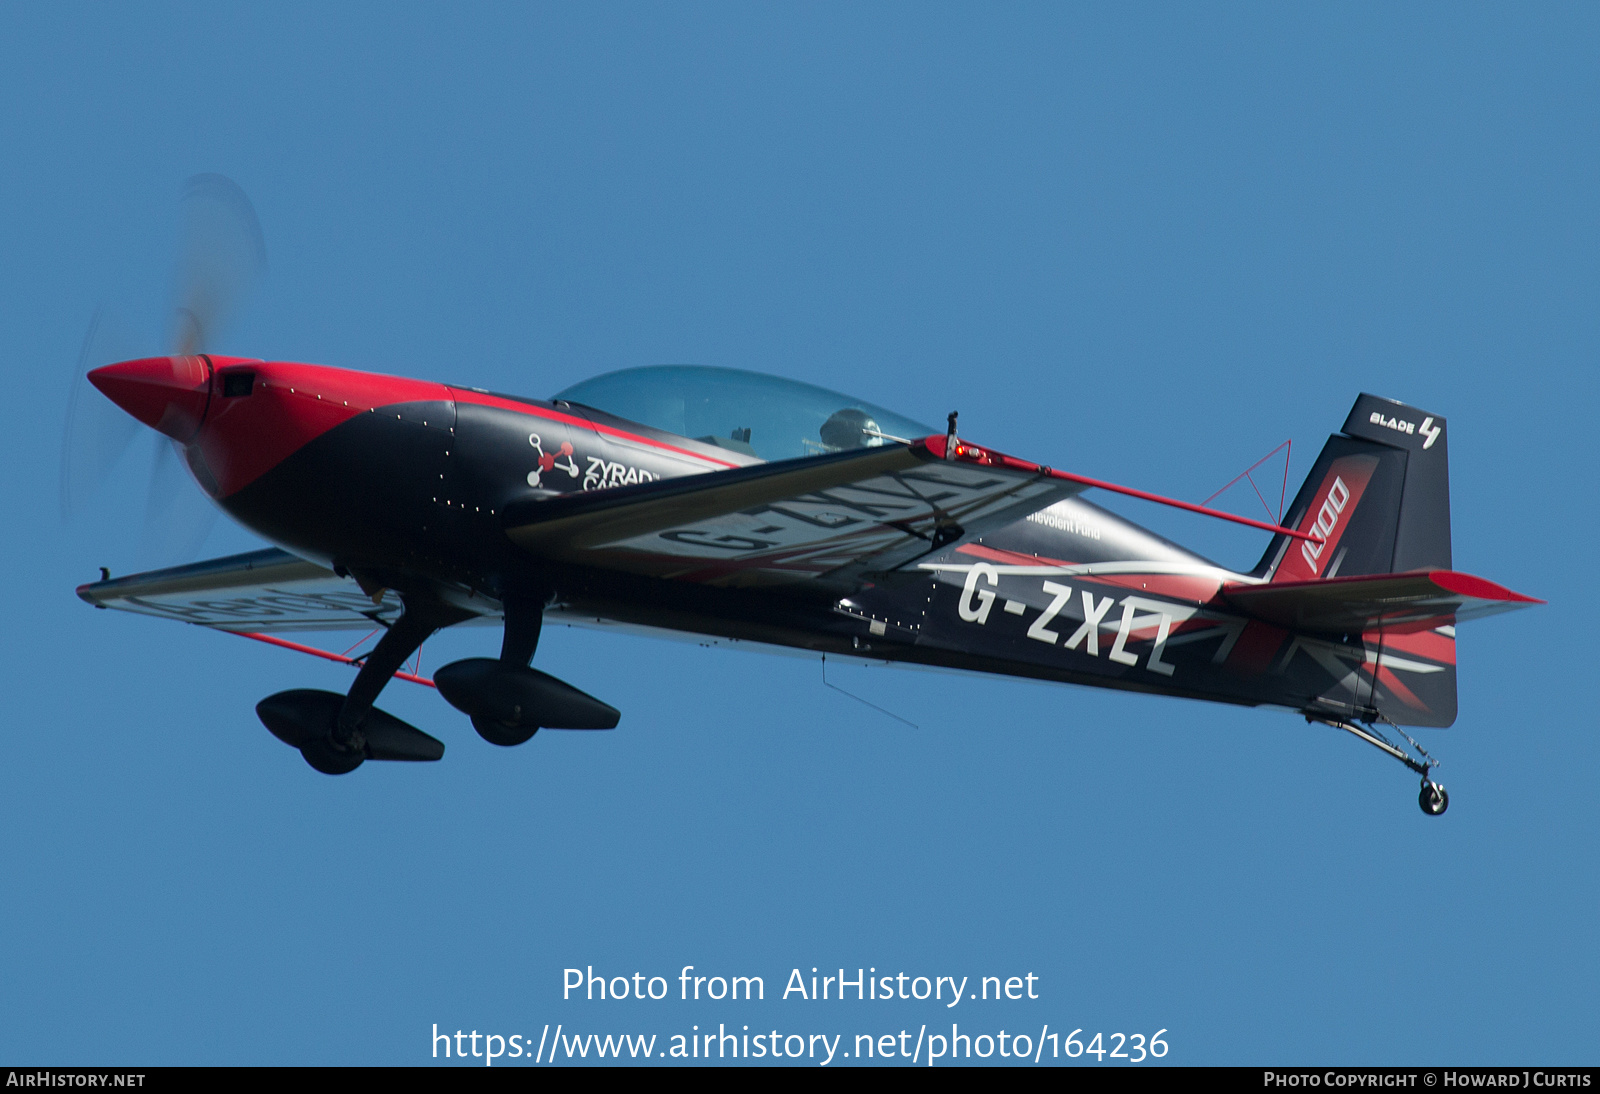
x: 748, y: 412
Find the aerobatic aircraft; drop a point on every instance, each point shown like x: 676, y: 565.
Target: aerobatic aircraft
x: 749, y: 509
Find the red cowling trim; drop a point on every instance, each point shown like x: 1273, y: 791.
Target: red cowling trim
x: 289, y: 406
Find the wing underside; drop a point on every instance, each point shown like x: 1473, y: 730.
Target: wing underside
x: 268, y: 591
x: 833, y: 516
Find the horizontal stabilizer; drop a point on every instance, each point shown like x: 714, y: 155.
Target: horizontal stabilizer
x: 1419, y: 600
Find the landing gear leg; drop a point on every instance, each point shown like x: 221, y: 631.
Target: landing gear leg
x: 344, y: 745
x: 337, y: 733
x: 1433, y: 798
x: 403, y: 638
x: 524, y: 622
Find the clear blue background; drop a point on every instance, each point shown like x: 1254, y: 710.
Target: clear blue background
x: 1146, y: 243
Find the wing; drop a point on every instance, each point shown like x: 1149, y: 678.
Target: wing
x: 822, y: 517
x: 262, y: 591
x: 1351, y: 605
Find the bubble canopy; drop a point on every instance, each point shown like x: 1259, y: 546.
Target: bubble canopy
x: 749, y: 412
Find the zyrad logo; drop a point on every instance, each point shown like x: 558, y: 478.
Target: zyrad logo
x: 1427, y: 428
x: 1327, y: 520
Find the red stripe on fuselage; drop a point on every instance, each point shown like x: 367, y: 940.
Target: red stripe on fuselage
x: 291, y: 404
x: 479, y: 398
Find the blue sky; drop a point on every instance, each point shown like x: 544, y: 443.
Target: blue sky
x: 1143, y: 243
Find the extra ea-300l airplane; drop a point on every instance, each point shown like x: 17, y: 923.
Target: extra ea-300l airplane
x: 752, y: 509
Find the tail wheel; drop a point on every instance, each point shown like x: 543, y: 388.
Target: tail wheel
x: 1433, y: 798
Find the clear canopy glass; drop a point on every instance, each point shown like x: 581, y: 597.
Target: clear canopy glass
x: 765, y: 416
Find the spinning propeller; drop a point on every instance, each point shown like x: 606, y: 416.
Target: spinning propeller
x: 221, y: 258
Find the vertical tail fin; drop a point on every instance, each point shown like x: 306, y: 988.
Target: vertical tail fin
x: 1377, y: 500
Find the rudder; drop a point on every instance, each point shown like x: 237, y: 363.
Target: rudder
x: 1377, y: 500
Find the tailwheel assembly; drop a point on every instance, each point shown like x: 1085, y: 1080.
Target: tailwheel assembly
x: 1433, y: 798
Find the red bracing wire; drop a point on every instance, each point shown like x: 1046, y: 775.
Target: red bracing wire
x: 325, y: 655
x: 1245, y: 474
x: 937, y: 447
x: 1283, y: 491
x: 362, y: 639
